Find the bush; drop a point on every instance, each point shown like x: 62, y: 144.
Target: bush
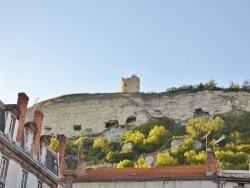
x: 141, y: 163
x: 194, y: 158
x: 125, y: 163
x: 113, y: 157
x: 164, y: 159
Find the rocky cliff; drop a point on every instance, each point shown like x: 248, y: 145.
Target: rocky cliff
x: 83, y: 114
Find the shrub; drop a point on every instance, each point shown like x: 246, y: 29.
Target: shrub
x: 125, y: 163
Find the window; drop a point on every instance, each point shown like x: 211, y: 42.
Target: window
x: 39, y: 184
x: 12, y: 126
x: 3, y: 169
x: 24, y: 179
x: 55, y: 166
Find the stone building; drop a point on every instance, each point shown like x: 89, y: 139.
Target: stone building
x: 130, y: 85
x: 26, y: 161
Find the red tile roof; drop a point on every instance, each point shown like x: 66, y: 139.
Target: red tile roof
x: 172, y: 172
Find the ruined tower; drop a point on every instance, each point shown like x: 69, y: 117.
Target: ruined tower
x: 130, y: 85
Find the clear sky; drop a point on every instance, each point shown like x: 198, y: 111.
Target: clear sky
x: 52, y: 48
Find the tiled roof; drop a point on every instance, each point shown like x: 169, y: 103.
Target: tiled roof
x: 171, y: 172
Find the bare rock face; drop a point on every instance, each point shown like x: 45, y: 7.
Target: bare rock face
x: 92, y: 114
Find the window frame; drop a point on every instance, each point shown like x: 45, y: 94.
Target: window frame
x: 39, y: 184
x: 3, y: 173
x: 12, y: 125
x: 24, y: 179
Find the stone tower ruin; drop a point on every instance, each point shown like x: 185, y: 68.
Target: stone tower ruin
x: 130, y: 85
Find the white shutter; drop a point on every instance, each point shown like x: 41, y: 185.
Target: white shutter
x: 15, y: 130
x: 9, y: 176
x: 1, y: 162
x: 7, y: 125
x: 0, y: 157
x: 28, y: 181
x: 35, y: 184
x: 19, y: 177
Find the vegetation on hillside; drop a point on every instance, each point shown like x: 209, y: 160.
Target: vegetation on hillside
x: 211, y: 85
x: 156, y: 136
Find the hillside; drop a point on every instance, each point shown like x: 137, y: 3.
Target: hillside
x: 112, y: 114
x: 156, y: 138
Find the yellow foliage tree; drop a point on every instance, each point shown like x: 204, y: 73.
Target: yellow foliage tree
x: 54, y: 144
x: 165, y: 159
x: 102, y: 143
x: 125, y: 163
x: 199, y: 127
x: 141, y: 163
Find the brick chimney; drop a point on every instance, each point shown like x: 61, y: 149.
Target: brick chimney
x: 61, y: 151
x: 210, y: 162
x: 22, y: 103
x: 38, y: 119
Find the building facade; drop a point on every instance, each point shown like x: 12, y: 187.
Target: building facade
x: 26, y: 161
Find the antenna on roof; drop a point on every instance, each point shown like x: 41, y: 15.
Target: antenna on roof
x: 35, y: 104
x: 206, y: 139
x: 215, y: 142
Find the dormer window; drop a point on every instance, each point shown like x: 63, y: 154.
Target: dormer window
x: 12, y: 113
x: 12, y: 126
x: 30, y: 128
x: 29, y: 141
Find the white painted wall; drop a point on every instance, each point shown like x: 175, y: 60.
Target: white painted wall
x: 148, y: 184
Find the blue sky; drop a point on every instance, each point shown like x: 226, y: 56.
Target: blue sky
x: 51, y: 48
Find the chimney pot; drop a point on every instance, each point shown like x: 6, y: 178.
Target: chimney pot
x: 38, y: 119
x: 22, y: 103
x: 210, y: 163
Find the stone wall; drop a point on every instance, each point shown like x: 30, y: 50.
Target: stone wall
x: 81, y: 114
x: 130, y: 85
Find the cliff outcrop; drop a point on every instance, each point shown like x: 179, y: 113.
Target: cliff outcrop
x: 86, y: 114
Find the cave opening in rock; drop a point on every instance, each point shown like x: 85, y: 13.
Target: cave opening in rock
x: 131, y: 119
x: 111, y: 123
x: 77, y: 127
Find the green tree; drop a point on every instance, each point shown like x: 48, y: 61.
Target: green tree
x: 80, y: 140
x: 114, y: 157
x: 165, y: 159
x: 211, y: 84
x: 102, y: 143
x: 134, y: 136
x: 156, y: 135
x: 246, y: 85
x: 233, y: 160
x: 194, y: 158
x: 125, y: 163
x: 199, y: 127
x: 54, y: 144
x: 234, y: 86
x: 141, y: 163
x: 178, y: 153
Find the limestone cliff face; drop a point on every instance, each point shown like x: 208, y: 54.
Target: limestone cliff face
x: 82, y: 114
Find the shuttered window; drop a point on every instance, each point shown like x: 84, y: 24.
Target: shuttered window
x: 15, y: 130
x: 3, y: 169
x: 9, y: 174
x: 24, y: 179
x: 8, y: 119
x: 39, y: 184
